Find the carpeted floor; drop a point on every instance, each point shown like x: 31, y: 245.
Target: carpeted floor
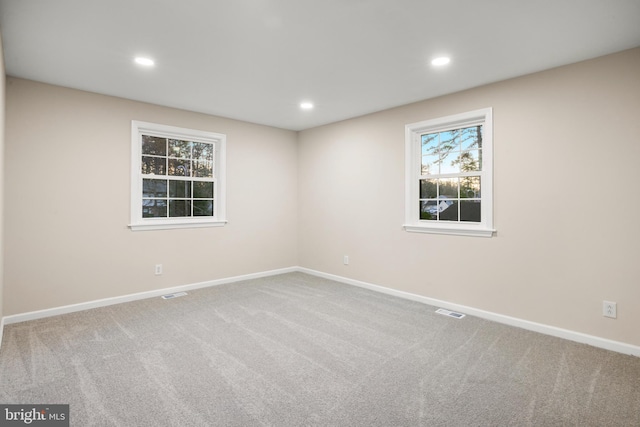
x: 298, y: 350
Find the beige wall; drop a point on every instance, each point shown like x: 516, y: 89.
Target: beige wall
x: 68, y: 197
x: 566, y: 155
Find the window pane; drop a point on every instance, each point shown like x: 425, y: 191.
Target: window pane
x: 470, y: 211
x: 179, y: 167
x: 472, y: 138
x: 430, y: 165
x: 450, y: 213
x: 430, y: 143
x: 450, y: 163
x: 179, y: 208
x: 179, y: 148
x: 154, y: 188
x: 470, y: 187
x: 154, y: 145
x: 203, y: 168
x: 154, y: 208
x: 202, y: 190
x: 203, y: 151
x: 153, y: 165
x: 448, y: 188
x: 180, y: 189
x: 469, y: 161
x: 428, y: 188
x: 203, y: 208
x: 428, y: 210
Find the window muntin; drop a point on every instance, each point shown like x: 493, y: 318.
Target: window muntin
x: 177, y: 177
x: 449, y: 174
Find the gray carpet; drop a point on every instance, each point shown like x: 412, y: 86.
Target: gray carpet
x: 297, y: 350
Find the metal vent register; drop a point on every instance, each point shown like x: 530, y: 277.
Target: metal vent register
x: 176, y: 295
x: 450, y: 313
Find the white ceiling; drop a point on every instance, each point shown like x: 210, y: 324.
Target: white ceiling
x: 256, y: 60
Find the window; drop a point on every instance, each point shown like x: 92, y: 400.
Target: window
x: 177, y: 177
x: 449, y: 175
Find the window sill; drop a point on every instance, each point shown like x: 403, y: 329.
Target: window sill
x: 450, y: 229
x: 166, y: 225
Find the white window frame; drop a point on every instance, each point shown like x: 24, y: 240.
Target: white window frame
x: 413, y: 162
x: 139, y: 128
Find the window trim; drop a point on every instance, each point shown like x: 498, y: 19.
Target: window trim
x: 138, y: 223
x: 413, y: 161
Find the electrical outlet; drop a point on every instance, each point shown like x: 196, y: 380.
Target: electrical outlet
x: 609, y: 309
x: 346, y: 260
x: 158, y: 269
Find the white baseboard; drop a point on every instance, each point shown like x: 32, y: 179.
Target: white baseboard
x: 607, y: 344
x: 604, y: 343
x: 32, y: 315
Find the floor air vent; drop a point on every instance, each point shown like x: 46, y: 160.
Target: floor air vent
x: 176, y: 295
x: 450, y: 313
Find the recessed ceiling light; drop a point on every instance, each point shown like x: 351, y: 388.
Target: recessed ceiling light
x: 147, y: 62
x: 306, y: 105
x: 442, y: 60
